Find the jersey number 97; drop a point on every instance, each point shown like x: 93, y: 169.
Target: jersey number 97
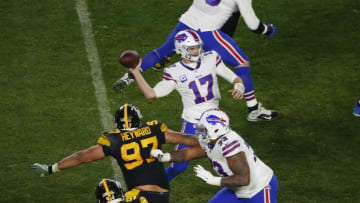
x: 131, y: 152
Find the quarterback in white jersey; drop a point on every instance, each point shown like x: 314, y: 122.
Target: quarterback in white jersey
x: 245, y: 177
x: 197, y: 85
x: 195, y: 78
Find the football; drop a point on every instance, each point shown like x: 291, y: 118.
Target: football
x: 129, y: 58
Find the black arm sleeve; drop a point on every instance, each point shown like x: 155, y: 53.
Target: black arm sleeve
x: 230, y: 26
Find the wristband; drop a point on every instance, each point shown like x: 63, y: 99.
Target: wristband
x: 166, y: 157
x: 216, y: 181
x: 240, y: 87
x: 53, y: 168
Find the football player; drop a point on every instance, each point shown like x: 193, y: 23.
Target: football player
x: 245, y: 178
x: 356, y: 111
x: 195, y: 78
x: 207, y: 17
x: 109, y: 191
x: 130, y: 144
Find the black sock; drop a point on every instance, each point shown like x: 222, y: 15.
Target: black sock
x: 250, y: 109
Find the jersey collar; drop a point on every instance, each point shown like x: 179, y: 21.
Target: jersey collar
x: 190, y: 68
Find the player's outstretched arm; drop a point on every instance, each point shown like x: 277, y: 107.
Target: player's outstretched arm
x: 173, y: 137
x: 186, y: 154
x: 85, y: 156
x: 145, y: 88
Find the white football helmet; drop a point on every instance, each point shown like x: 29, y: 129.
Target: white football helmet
x: 186, y: 39
x: 213, y: 123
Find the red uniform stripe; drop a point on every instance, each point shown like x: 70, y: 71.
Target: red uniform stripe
x: 267, y: 195
x: 228, y: 46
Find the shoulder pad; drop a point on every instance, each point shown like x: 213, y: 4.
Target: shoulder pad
x: 104, y: 140
x: 163, y: 126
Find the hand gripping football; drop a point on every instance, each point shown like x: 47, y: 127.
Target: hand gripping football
x: 129, y: 58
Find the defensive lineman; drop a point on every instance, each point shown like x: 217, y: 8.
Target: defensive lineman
x: 206, y: 17
x: 130, y: 144
x: 245, y: 177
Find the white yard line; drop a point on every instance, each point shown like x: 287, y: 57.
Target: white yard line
x: 96, y: 74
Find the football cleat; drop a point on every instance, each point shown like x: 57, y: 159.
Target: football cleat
x: 162, y: 63
x: 357, y: 109
x: 123, y: 82
x: 262, y: 114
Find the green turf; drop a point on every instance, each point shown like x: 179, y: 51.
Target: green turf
x: 309, y: 72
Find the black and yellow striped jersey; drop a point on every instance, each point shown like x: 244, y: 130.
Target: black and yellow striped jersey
x: 132, y: 149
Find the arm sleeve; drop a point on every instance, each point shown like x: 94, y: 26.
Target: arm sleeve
x: 248, y: 13
x: 225, y: 72
x: 164, y: 88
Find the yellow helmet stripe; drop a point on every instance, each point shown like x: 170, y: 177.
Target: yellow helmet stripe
x: 107, y: 189
x: 126, y: 116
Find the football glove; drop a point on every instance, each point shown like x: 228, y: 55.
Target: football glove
x: 162, y: 63
x: 207, y: 176
x: 44, y: 168
x: 160, y: 155
x: 271, y: 30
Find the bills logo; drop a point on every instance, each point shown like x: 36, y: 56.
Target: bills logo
x: 213, y: 120
x: 181, y: 37
x: 213, y: 2
x: 183, y: 78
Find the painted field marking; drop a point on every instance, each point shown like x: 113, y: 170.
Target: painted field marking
x: 96, y: 74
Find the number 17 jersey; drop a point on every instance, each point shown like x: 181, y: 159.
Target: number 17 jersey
x: 197, y: 86
x: 131, y: 149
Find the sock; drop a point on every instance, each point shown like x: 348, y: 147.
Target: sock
x: 244, y: 74
x: 252, y: 108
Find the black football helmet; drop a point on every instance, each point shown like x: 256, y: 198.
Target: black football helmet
x: 109, y: 191
x: 128, y: 117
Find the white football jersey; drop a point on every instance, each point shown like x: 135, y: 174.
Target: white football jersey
x: 208, y: 15
x: 197, y: 86
x: 229, y: 145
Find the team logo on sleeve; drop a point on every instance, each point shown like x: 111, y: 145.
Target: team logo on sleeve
x: 183, y: 78
x: 213, y: 120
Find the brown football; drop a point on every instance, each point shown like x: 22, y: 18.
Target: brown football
x: 129, y: 58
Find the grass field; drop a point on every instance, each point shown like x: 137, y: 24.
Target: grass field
x: 309, y: 72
